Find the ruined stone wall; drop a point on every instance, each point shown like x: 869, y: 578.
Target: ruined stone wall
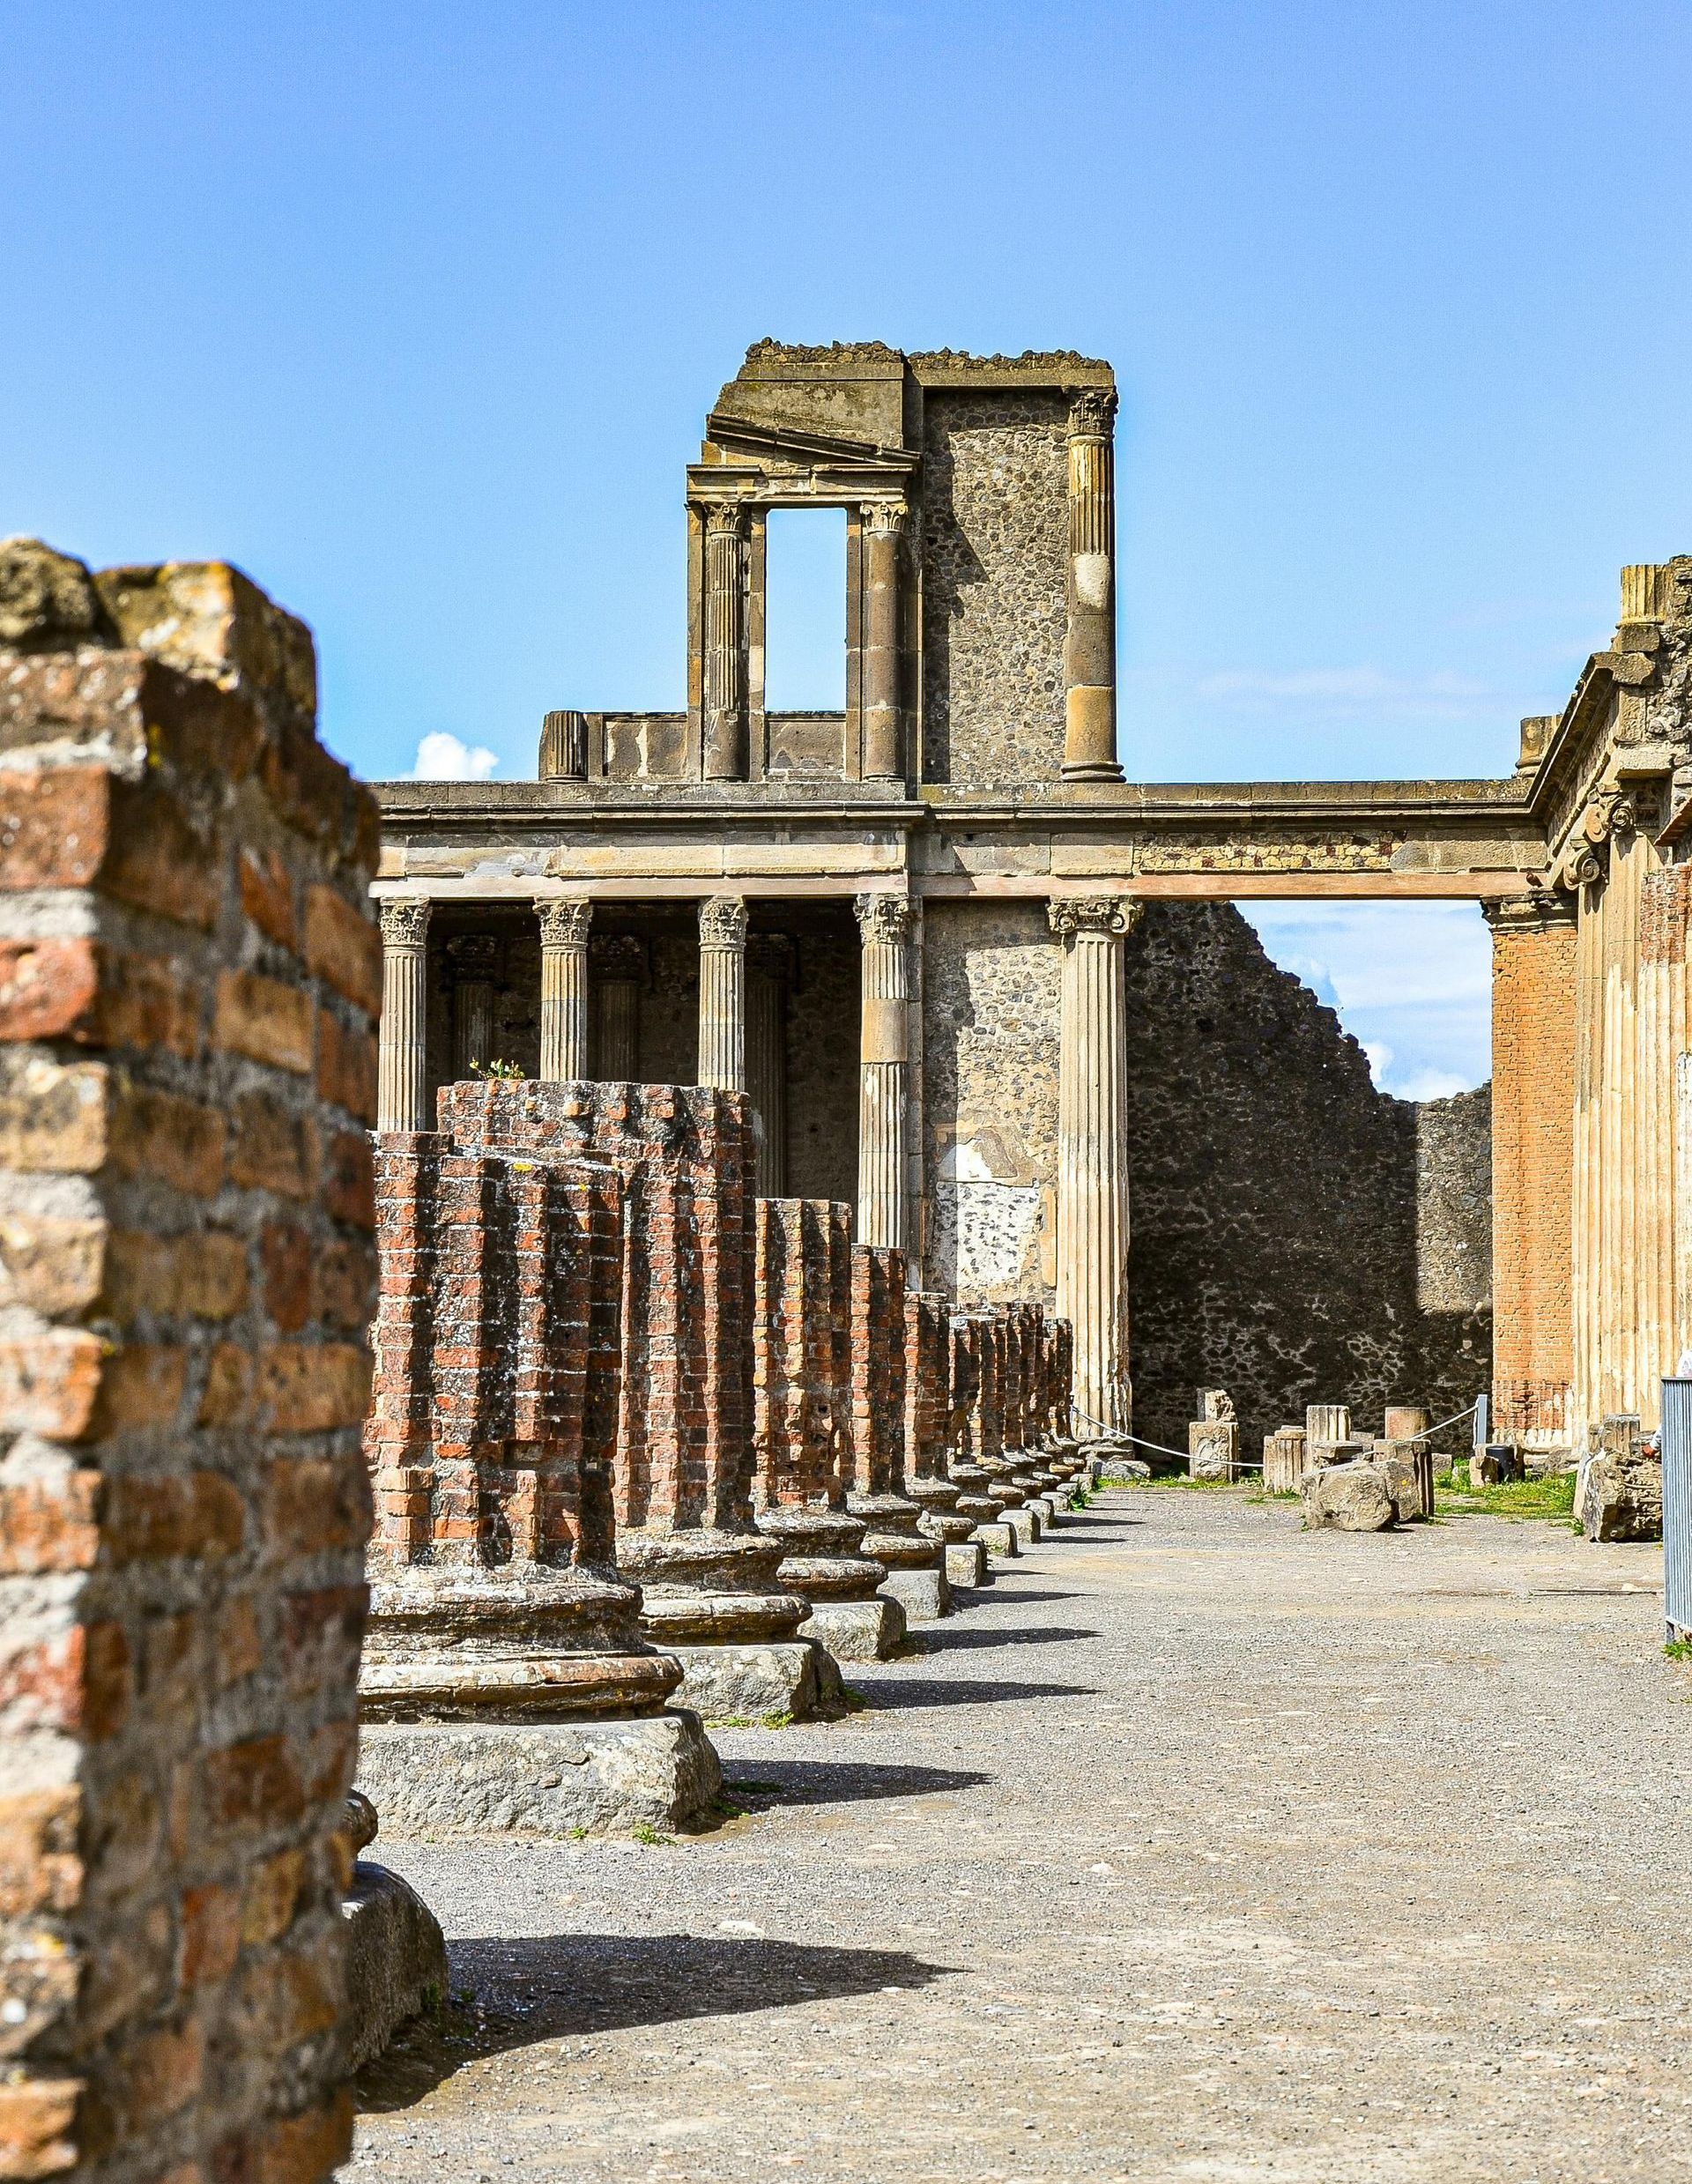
x: 991, y: 980
x: 187, y: 981
x: 995, y: 536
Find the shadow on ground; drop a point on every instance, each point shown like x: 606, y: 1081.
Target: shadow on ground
x: 510, y: 1993
x: 945, y: 1641
x: 956, y: 1692
x: 826, y: 1782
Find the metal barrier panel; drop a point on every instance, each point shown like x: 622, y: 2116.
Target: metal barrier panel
x: 1677, y: 1507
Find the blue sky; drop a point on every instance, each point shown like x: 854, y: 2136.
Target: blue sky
x: 414, y: 311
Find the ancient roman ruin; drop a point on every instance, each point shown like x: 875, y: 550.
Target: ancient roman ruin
x: 500, y: 1276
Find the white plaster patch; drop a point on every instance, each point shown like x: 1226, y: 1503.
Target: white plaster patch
x: 983, y: 1234
x: 1093, y: 580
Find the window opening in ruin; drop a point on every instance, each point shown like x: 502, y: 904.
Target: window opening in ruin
x: 804, y: 634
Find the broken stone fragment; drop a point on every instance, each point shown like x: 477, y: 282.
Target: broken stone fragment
x: 1622, y: 1494
x: 47, y: 599
x: 1347, y: 1497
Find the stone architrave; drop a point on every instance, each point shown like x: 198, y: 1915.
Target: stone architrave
x: 802, y: 1415
x: 402, y: 1050
x: 874, y: 1456
x: 475, y: 959
x: 884, y: 924
x: 722, y: 993
x: 506, y: 1682
x: 1090, y: 640
x: 682, y: 1462
x: 1093, y: 1155
x: 885, y: 526
x: 927, y: 1336
x: 565, y: 923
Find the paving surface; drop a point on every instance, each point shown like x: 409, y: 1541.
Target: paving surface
x: 1200, y: 1848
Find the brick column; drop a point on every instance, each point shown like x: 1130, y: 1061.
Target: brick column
x: 475, y: 959
x: 1090, y: 640
x: 1093, y: 1154
x: 401, y: 1080
x: 564, y: 928
x: 723, y: 993
x: 769, y: 970
x: 884, y: 720
x: 1533, y: 941
x: 884, y: 926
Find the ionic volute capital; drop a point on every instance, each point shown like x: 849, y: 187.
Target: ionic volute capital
x: 1109, y: 915
x: 566, y: 921
x: 723, y: 922
x: 1092, y: 413
x: 884, y: 919
x: 404, y: 920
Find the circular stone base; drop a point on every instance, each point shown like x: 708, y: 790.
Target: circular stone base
x: 831, y: 1576
x: 605, y: 1777
x: 672, y: 1617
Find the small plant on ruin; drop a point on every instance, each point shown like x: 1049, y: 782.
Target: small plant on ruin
x: 653, y: 1838
x: 776, y: 1721
x: 499, y: 1073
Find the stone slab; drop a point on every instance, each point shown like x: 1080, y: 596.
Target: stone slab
x: 395, y: 1961
x: 857, y: 1630
x: 966, y: 1564
x: 794, y: 1676
x: 545, y: 1779
x: 923, y: 1594
x: 998, y: 1538
x: 1025, y: 1522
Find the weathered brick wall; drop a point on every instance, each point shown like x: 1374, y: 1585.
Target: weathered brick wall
x: 875, y: 1459
x: 1532, y: 1113
x: 188, y: 980
x: 995, y: 543
x: 926, y: 1336
x: 801, y: 1400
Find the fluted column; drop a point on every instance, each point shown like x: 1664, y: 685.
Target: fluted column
x: 618, y: 963
x: 769, y: 969
x: 884, y: 926
x: 475, y: 964
x: 1093, y: 1154
x: 401, y: 1053
x: 884, y: 729
x: 564, y: 926
x: 722, y: 993
x: 725, y: 694
x: 1090, y: 640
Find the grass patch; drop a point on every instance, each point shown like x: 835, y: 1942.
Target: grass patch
x: 1178, y: 1478
x: 1678, y: 1649
x: 1548, y: 1500
x: 653, y: 1838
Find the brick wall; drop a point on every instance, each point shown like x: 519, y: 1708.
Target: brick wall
x: 926, y: 1335
x: 1532, y: 1155
x: 801, y: 1399
x: 876, y: 1461
x: 188, y: 980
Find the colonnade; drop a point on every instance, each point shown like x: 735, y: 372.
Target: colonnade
x: 743, y: 982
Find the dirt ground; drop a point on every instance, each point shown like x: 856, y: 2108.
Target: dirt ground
x: 1197, y: 1848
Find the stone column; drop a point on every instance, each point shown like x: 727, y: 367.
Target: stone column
x: 884, y: 924
x: 1093, y: 1155
x: 618, y: 962
x: 769, y: 970
x: 724, y: 696
x: 564, y: 990
x: 401, y: 1052
x: 475, y: 961
x: 884, y: 732
x: 1090, y: 640
x: 722, y: 993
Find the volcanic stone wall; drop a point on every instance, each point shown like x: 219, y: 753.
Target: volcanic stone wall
x: 189, y: 977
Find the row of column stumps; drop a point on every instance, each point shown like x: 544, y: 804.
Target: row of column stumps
x: 739, y: 1051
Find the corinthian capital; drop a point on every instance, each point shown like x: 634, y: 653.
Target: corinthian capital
x: 1108, y: 914
x: 565, y: 921
x: 404, y: 920
x: 889, y: 518
x: 723, y: 922
x: 1092, y: 412
x: 884, y: 918
x: 723, y: 518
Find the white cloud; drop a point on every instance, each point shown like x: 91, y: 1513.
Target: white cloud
x: 441, y: 756
x: 1429, y: 1084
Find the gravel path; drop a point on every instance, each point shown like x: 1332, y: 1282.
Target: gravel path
x: 1198, y: 1848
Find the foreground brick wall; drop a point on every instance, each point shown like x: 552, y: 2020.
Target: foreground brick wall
x: 188, y: 980
x: 875, y: 1463
x: 1532, y: 1156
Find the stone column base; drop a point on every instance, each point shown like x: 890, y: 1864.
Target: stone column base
x: 857, y: 1630
x: 1025, y: 1522
x: 966, y: 1564
x: 727, y: 1682
x: 395, y: 1961
x: 923, y: 1594
x: 998, y: 1538
x: 549, y: 1779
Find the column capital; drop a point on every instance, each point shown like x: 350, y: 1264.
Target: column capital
x: 474, y: 954
x: 565, y: 921
x: 889, y: 519
x: 1092, y: 413
x: 884, y: 918
x: 722, y: 519
x: 404, y: 920
x: 723, y: 922
x: 1542, y: 909
x: 1109, y: 915
x: 771, y: 954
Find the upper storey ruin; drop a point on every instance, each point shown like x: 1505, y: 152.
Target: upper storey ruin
x: 980, y: 589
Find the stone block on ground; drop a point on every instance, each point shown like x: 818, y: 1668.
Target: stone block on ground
x: 1347, y: 1497
x: 1620, y: 1493
x: 797, y: 1677
x: 396, y: 1960
x: 548, y: 1779
x: 998, y: 1537
x: 923, y: 1594
x: 1283, y: 1461
x: 857, y: 1630
x: 966, y: 1564
x: 1025, y: 1523
x: 1409, y: 1468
